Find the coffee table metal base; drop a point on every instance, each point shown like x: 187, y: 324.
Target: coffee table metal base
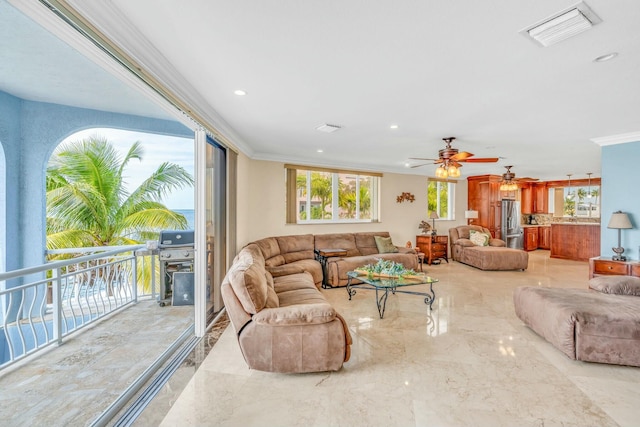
x: 382, y: 293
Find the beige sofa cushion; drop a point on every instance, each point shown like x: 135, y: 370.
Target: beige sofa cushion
x: 346, y: 241
x: 272, y: 297
x: 299, y: 314
x: 366, y: 241
x: 295, y: 248
x: 284, y: 270
x: 249, y: 283
x: 621, y: 285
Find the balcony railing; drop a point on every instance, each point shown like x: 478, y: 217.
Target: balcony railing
x: 42, y: 305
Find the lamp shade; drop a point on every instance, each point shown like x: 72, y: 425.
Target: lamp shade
x: 433, y: 215
x: 471, y: 214
x: 619, y: 220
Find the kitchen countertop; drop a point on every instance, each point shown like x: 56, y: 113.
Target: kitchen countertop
x: 576, y: 223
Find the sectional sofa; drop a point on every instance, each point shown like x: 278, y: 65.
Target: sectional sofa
x: 282, y: 321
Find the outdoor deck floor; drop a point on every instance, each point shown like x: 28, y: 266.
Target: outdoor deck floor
x: 74, y: 383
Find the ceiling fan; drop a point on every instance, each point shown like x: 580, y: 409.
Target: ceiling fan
x: 510, y: 182
x: 451, y: 159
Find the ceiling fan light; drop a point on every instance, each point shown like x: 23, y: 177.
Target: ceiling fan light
x: 453, y: 171
x: 441, y: 172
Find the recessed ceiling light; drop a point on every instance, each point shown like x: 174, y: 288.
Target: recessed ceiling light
x: 607, y: 57
x: 407, y: 164
x: 320, y: 150
x: 240, y: 92
x: 393, y: 127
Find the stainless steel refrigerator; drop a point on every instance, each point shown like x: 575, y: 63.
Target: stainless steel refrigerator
x: 511, y: 230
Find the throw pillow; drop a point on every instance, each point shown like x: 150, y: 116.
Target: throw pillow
x: 384, y: 244
x: 620, y: 285
x: 478, y: 238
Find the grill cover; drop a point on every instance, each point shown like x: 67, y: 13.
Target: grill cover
x: 176, y: 238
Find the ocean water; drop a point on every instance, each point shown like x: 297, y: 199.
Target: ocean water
x: 190, y: 214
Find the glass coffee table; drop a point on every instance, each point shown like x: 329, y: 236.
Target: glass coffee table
x: 384, y: 285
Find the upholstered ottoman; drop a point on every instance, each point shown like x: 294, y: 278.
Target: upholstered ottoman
x: 584, y: 324
x: 496, y: 258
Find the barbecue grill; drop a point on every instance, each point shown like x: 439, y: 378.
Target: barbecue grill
x: 176, y: 253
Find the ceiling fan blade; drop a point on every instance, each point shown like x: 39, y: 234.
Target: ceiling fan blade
x: 480, y: 160
x: 422, y: 158
x: 526, y: 179
x: 423, y: 164
x: 462, y: 155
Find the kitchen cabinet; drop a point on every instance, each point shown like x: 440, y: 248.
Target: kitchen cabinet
x: 601, y: 266
x: 575, y: 241
x: 534, y: 198
x: 484, y: 196
x: 530, y: 238
x: 433, y: 247
x: 526, y: 201
x: 539, y: 198
x: 544, y: 237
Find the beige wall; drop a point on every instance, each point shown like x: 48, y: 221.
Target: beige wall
x: 261, y: 206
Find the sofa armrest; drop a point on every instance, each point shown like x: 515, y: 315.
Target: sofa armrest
x: 464, y: 243
x: 284, y: 270
x: 497, y: 242
x: 299, y: 314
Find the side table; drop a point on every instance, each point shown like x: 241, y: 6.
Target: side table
x: 434, y: 247
x: 322, y: 255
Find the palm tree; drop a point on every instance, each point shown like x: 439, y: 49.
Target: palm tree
x: 88, y: 204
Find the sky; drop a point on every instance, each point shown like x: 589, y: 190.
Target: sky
x: 157, y: 150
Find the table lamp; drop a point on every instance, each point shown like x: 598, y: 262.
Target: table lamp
x: 619, y: 221
x: 471, y: 215
x: 433, y: 216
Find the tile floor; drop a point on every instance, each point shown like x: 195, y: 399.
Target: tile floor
x: 469, y: 362
x: 71, y: 384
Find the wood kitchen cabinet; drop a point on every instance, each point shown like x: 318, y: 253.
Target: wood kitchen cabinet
x: 526, y: 200
x: 544, y: 237
x: 433, y: 247
x: 530, y: 238
x: 484, y: 196
x: 539, y: 198
x: 575, y: 241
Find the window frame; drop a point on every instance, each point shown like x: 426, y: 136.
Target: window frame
x: 292, y: 199
x: 451, y: 198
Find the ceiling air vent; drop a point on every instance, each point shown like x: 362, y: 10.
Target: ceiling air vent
x: 328, y: 128
x: 562, y: 25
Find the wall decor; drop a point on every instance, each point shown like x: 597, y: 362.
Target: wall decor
x: 405, y: 196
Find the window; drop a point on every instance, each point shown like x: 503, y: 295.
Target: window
x: 441, y: 198
x: 583, y: 202
x: 325, y: 195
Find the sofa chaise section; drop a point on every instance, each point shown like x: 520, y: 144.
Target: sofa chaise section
x: 494, y: 256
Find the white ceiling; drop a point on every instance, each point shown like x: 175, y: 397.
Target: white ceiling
x: 436, y: 69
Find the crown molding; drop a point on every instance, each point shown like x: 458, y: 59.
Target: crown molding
x: 622, y: 138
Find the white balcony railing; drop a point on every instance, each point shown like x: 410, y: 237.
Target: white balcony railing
x: 42, y: 305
